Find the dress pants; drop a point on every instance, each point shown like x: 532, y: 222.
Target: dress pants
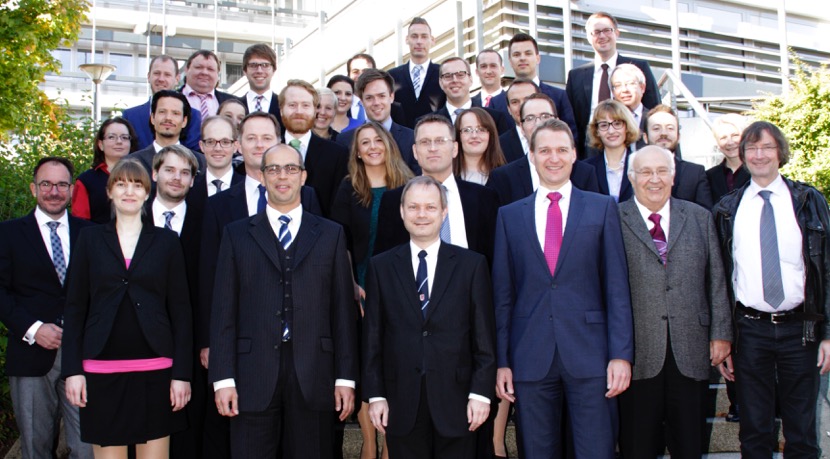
x: 39, y: 402
x: 771, y: 361
x: 208, y: 433
x: 287, y: 429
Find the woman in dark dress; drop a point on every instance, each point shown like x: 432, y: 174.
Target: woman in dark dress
x: 127, y: 338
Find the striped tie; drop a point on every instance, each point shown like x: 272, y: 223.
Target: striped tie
x: 258, y: 107
x: 416, y: 80
x: 168, y: 217
x: 203, y: 106
x: 284, y: 236
x: 422, y: 282
x: 659, y: 237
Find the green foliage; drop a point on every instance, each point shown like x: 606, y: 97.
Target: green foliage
x: 804, y: 117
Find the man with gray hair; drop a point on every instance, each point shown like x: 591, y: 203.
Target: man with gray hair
x: 628, y: 84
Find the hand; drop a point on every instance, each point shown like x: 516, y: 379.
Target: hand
x: 719, y: 350
x: 361, y: 298
x: 823, y: 356
x: 379, y: 415
x: 179, y: 394
x: 48, y: 336
x: 477, y: 412
x: 726, y: 369
x: 227, y: 401
x: 619, y: 377
x: 344, y: 401
x: 204, y: 356
x: 76, y: 390
x: 504, y: 384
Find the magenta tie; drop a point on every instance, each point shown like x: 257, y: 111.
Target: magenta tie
x: 487, y: 101
x: 658, y: 236
x: 553, y: 231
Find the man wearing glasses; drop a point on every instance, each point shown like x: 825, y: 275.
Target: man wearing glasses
x: 455, y: 81
x: 589, y: 84
x: 259, y: 63
x: 628, y: 84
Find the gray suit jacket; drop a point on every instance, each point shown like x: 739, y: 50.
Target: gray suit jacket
x: 686, y: 298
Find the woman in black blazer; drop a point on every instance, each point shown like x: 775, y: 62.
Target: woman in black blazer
x: 375, y: 165
x: 612, y: 130
x: 730, y: 173
x: 127, y: 338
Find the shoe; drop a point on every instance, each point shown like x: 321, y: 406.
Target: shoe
x: 733, y: 415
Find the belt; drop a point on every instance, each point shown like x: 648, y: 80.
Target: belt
x: 791, y: 315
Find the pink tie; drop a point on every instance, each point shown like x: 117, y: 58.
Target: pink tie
x: 487, y: 101
x: 203, y: 107
x: 553, y: 231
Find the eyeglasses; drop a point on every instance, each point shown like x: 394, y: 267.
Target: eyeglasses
x: 605, y: 31
x: 259, y: 65
x: 473, y: 130
x: 661, y: 173
x: 447, y: 77
x: 274, y: 170
x: 438, y: 142
x: 627, y: 85
x: 46, y: 186
x: 760, y: 148
x: 529, y: 119
x: 616, y: 124
x: 211, y: 143
x: 117, y: 137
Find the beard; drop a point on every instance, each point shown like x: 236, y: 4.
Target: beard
x: 299, y: 124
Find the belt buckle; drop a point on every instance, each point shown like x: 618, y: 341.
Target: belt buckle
x: 774, y: 318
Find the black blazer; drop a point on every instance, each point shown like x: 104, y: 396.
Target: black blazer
x: 511, y: 146
x: 717, y: 180
x: 30, y: 291
x: 690, y: 183
x: 432, y: 96
x: 512, y: 181
x: 598, y: 162
x: 326, y: 165
x: 244, y: 340
x: 560, y: 99
x: 198, y: 195
x: 480, y: 206
x: 155, y: 283
x: 404, y: 138
x: 355, y: 218
x: 145, y: 155
x: 454, y: 345
x: 504, y: 122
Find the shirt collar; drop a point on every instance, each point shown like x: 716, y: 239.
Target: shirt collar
x: 226, y: 178
x: 450, y: 184
x: 565, y: 190
x: 189, y: 91
x: 295, y: 214
x: 102, y: 167
x: 179, y: 210
x: 42, y: 219
x: 777, y: 186
x: 266, y: 99
x: 424, y: 67
x: 612, y: 62
x: 663, y: 212
x: 432, y: 250
x: 304, y: 139
x: 251, y: 185
x: 158, y: 147
x: 452, y: 108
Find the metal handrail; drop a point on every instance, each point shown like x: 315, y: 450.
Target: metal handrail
x: 678, y: 86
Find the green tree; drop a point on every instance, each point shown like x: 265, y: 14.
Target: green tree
x: 804, y: 116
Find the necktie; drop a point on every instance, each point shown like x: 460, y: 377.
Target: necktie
x: 553, y: 231
x: 604, y: 89
x: 57, y: 251
x: 487, y: 101
x: 218, y: 184
x: 445, y: 233
x: 456, y: 113
x: 770, y: 262
x: 168, y: 217
x: 422, y: 282
x: 284, y: 236
x: 295, y: 143
x: 260, y: 204
x: 203, y: 106
x: 659, y: 237
x: 361, y: 112
x: 258, y: 106
x: 416, y: 80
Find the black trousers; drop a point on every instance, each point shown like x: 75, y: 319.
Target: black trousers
x: 208, y: 433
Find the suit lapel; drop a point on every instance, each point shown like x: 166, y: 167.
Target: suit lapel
x: 264, y: 236
x: 525, y: 178
x: 238, y: 202
x: 602, y: 177
x: 529, y: 219
x: 588, y: 85
x: 406, y: 277
x: 632, y: 218
x: 443, y: 274
x: 32, y: 232
x: 676, y: 223
x: 307, y: 237
x: 145, y: 239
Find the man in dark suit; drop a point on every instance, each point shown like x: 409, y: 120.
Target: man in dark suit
x: 628, y: 85
x: 324, y: 161
x: 416, y: 82
x: 259, y: 63
x: 429, y: 309
x: 690, y: 183
x: 34, y: 256
x: 524, y: 58
x: 490, y: 69
x: 472, y: 207
x: 513, y: 143
x: 202, y: 78
x: 682, y: 317
x: 519, y: 179
x: 163, y: 74
x: 355, y: 67
x: 563, y: 314
x: 589, y: 84
x: 456, y: 80
x: 219, y: 142
x: 280, y: 368
x: 374, y: 87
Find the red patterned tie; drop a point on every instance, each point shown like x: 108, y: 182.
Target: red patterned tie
x: 658, y: 236
x: 553, y: 231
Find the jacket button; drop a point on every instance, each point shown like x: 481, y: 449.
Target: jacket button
x: 425, y: 333
x: 124, y: 281
x: 664, y: 318
x: 276, y: 346
x: 138, y: 305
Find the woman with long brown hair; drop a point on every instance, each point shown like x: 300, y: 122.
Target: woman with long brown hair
x: 479, y: 151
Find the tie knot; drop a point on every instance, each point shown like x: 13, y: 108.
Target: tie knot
x: 422, y: 254
x: 169, y: 214
x: 203, y: 96
x: 457, y: 111
x: 295, y: 143
x: 53, y: 225
x: 285, y: 219
x: 765, y: 194
x: 554, y: 197
x: 655, y: 218
x: 604, y: 66
x: 259, y: 97
x: 261, y: 189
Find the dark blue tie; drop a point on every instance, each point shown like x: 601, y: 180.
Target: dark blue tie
x: 57, y: 251
x: 422, y: 282
x: 260, y: 205
x: 770, y: 261
x: 284, y: 237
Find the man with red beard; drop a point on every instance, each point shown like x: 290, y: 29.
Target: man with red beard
x: 325, y: 161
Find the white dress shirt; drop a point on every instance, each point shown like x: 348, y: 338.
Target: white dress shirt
x: 455, y: 214
x: 252, y: 194
x: 451, y: 108
x: 614, y: 176
x: 226, y: 179
x: 612, y: 64
x: 304, y: 139
x: 46, y: 233
x: 541, y: 205
x: 424, y: 68
x: 484, y: 94
x: 265, y: 103
x: 158, y: 147
x: 747, y: 278
x: 176, y: 222
x: 664, y: 213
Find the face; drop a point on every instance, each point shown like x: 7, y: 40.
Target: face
x: 283, y: 188
x: 173, y: 179
x: 728, y: 137
x: 541, y: 110
x: 168, y: 119
x: 234, y: 112
x: 127, y: 197
x: 435, y: 159
x: 422, y: 213
x: 419, y: 40
x: 259, y: 72
x: 203, y: 74
x: 474, y: 142
x: 458, y: 86
x: 114, y: 144
x: 324, y: 114
x: 343, y: 92
x: 378, y: 101
x: 489, y: 70
x: 612, y: 137
x: 52, y: 202
x: 627, y: 89
x: 662, y: 130
x: 298, y: 110
x: 357, y: 68
x: 603, y: 40
x: 653, y: 179
x: 761, y: 158
x: 370, y: 148
x: 218, y: 157
x: 515, y: 96
x: 162, y: 75
x: 553, y: 158
x: 260, y: 134
x: 524, y: 59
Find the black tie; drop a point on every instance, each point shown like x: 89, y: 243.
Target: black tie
x: 422, y: 282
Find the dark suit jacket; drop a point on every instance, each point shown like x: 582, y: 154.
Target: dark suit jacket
x: 582, y: 313
x: 356, y: 220
x: 454, y: 346
x: 244, y: 341
x: 404, y: 137
x: 580, y: 86
x: 273, y: 109
x: 480, y: 205
x: 139, y: 117
x: 717, y: 180
x: 563, y: 107
x: 690, y: 183
x: 598, y: 162
x: 30, y: 291
x: 504, y: 122
x: 326, y: 165
x: 198, y: 195
x: 432, y: 96
x: 513, y: 182
x: 511, y: 146
x: 156, y: 283
x: 146, y: 155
